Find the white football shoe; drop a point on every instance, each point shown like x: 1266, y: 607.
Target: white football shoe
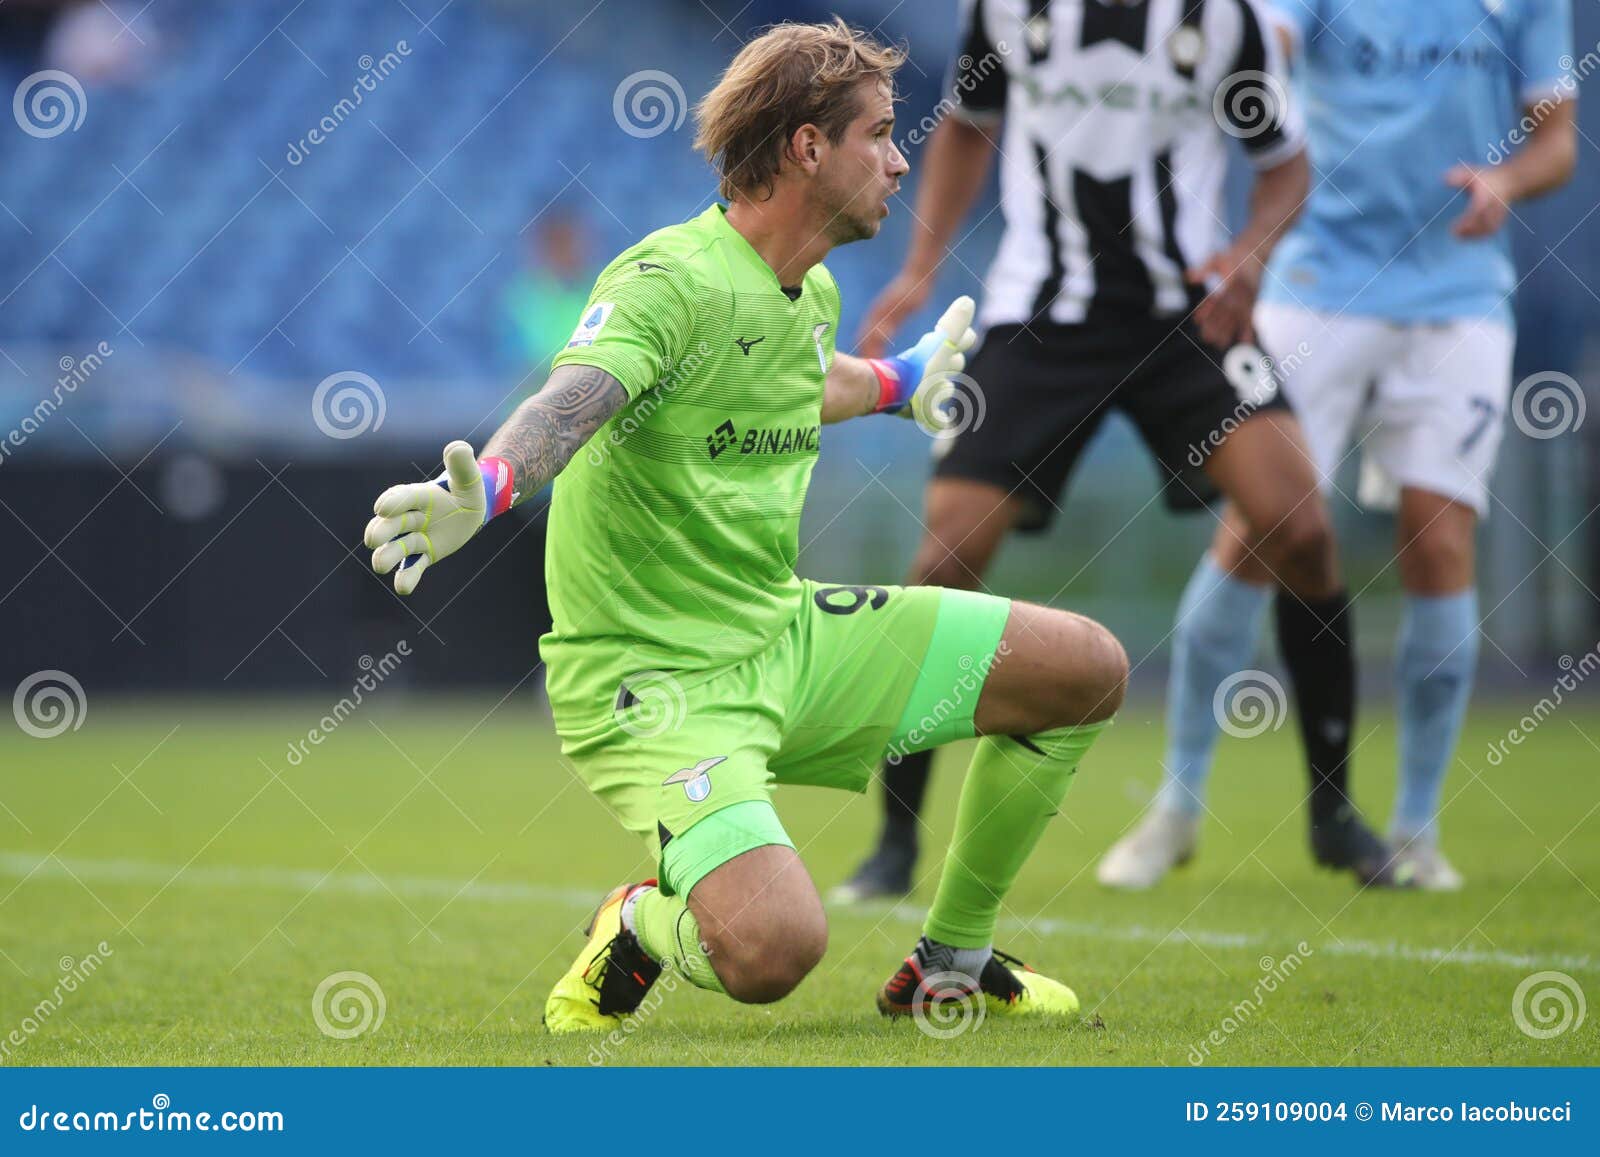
x: 1163, y: 840
x: 1430, y: 871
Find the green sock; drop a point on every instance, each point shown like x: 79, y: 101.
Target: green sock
x: 1012, y: 789
x: 670, y: 935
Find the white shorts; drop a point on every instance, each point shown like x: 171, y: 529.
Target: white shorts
x: 1424, y: 402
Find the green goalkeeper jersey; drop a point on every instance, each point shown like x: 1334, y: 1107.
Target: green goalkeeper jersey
x: 674, y: 532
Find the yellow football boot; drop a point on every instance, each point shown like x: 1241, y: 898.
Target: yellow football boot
x: 609, y: 978
x: 1009, y: 988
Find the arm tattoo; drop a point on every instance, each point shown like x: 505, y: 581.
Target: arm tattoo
x: 547, y: 429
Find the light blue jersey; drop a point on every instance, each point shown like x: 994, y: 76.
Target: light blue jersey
x: 1396, y: 93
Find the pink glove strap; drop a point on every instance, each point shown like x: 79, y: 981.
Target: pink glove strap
x: 497, y: 486
x: 893, y: 391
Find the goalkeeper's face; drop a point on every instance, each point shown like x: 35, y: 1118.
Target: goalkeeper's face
x: 862, y: 170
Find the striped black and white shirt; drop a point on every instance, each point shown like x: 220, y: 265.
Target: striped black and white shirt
x: 1116, y: 118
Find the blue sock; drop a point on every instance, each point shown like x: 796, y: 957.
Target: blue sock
x: 1219, y: 624
x: 1437, y: 654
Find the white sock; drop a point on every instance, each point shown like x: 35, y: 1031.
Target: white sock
x: 970, y: 961
x: 627, y: 908
x: 937, y: 957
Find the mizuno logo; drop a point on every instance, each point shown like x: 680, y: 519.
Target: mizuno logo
x: 645, y: 266
x: 746, y: 343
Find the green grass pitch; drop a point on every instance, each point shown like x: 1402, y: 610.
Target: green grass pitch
x: 444, y: 849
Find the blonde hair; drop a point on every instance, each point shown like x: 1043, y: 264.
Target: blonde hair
x: 790, y: 75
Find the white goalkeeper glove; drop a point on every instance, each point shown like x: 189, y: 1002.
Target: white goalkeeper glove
x: 917, y: 382
x: 418, y: 523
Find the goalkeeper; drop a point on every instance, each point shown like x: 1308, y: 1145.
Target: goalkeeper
x: 689, y: 669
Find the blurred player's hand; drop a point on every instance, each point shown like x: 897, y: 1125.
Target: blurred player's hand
x: 1487, y: 202
x: 1223, y: 316
x: 898, y: 300
x: 426, y: 521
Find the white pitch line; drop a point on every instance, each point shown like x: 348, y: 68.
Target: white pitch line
x: 21, y: 864
x: 289, y: 879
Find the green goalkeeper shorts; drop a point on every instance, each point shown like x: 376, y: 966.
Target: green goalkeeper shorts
x: 861, y: 674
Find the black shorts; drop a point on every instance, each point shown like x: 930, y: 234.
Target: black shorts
x: 1047, y: 387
